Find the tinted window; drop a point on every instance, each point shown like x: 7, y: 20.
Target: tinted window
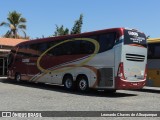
x: 73, y: 47
x: 62, y: 49
x: 33, y: 47
x: 21, y: 51
x: 86, y: 47
x: 106, y: 41
x: 42, y: 47
x: 154, y: 51
x: 28, y: 50
x: 134, y: 37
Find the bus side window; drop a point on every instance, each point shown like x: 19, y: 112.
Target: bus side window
x: 76, y: 48
x: 106, y: 41
x: 20, y: 51
x: 68, y: 48
x: 117, y: 39
x: 42, y: 47
x: 56, y: 51
x: 86, y: 47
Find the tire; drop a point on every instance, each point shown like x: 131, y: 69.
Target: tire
x: 68, y: 82
x: 82, y: 84
x: 18, y: 77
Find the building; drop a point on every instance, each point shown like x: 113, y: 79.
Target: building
x: 6, y: 45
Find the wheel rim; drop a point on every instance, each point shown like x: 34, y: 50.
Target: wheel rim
x: 18, y: 78
x: 83, y: 84
x: 68, y: 83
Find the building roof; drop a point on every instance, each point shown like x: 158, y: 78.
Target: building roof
x: 11, y: 41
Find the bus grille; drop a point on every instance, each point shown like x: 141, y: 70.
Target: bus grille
x: 106, y: 77
x: 135, y: 57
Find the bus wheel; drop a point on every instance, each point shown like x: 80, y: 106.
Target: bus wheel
x: 68, y: 82
x: 82, y: 84
x: 18, y: 77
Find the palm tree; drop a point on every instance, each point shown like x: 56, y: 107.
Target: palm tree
x: 15, y: 22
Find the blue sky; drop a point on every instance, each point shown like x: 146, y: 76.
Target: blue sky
x: 43, y: 15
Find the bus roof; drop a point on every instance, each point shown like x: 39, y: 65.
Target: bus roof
x: 70, y: 36
x: 153, y: 40
x: 41, y: 40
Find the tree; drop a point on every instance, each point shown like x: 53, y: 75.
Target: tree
x: 61, y: 31
x: 15, y: 22
x: 77, y: 25
x: 65, y: 31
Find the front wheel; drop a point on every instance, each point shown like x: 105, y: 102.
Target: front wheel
x: 82, y: 84
x: 18, y: 77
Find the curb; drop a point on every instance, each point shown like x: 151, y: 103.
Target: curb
x: 3, y: 78
x: 150, y: 89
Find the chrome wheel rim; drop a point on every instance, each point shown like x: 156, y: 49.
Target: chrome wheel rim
x: 83, y: 84
x: 68, y: 83
x: 18, y: 78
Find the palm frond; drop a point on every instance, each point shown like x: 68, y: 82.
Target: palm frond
x: 8, y: 34
x: 4, y: 24
x: 22, y: 26
x: 25, y: 35
x: 10, y: 20
x: 22, y: 20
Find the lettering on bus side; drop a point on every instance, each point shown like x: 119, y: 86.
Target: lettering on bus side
x: 25, y: 60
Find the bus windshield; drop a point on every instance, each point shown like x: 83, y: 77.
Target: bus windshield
x: 134, y: 37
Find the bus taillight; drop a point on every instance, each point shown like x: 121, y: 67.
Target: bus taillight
x: 121, y: 71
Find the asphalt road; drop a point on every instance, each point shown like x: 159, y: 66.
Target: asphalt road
x: 41, y: 97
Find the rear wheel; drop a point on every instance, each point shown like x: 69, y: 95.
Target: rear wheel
x: 68, y: 83
x: 18, y: 77
x: 82, y: 84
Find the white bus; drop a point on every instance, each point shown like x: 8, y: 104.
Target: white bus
x: 107, y: 59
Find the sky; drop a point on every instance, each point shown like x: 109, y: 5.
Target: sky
x: 43, y: 15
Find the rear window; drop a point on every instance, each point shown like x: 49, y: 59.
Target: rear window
x: 134, y: 37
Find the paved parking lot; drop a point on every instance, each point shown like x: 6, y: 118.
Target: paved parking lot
x: 41, y: 97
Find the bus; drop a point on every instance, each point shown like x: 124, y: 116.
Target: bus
x: 153, y: 69
x: 108, y: 59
